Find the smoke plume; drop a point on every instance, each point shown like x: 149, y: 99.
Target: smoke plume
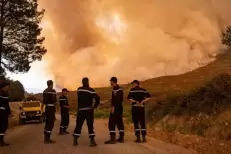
x: 130, y: 39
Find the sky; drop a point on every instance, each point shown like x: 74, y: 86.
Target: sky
x: 35, y: 80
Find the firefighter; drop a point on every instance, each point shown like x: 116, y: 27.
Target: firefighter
x: 5, y: 111
x: 116, y: 114
x: 138, y: 96
x: 64, y: 112
x: 49, y: 99
x: 86, y: 111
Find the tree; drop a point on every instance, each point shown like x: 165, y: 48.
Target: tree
x: 26, y: 94
x: 20, y: 40
x: 16, y: 91
x: 30, y: 97
x: 226, y: 39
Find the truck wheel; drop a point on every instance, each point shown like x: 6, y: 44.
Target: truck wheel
x: 41, y: 120
x: 22, y: 122
x: 44, y: 118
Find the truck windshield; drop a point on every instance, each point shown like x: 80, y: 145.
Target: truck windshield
x: 31, y: 104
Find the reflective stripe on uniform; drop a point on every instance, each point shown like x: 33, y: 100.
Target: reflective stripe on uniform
x: 138, y: 91
x: 50, y: 93
x: 4, y: 97
x: 2, y: 134
x: 117, y: 90
x: 85, y: 108
x: 61, y: 127
x: 50, y: 105
x: 76, y: 134
x: 143, y: 129
x: 2, y: 108
x: 83, y: 90
x: 91, y: 134
x: 138, y: 105
x: 62, y: 99
x: 137, y: 130
x: 112, y: 131
x: 47, y: 131
x: 121, y: 130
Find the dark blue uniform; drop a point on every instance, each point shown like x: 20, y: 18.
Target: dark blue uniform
x: 116, y: 118
x: 49, y: 99
x: 4, y: 114
x: 85, y: 110
x: 86, y: 95
x: 64, y: 106
x: 138, y: 111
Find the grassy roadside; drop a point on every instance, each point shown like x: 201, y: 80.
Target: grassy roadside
x: 103, y: 113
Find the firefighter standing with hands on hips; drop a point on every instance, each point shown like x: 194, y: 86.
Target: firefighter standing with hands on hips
x: 64, y: 112
x: 4, y: 111
x: 138, y: 96
x: 85, y: 96
x: 116, y: 115
x: 49, y: 99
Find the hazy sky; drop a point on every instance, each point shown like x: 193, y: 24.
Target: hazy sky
x: 35, y: 79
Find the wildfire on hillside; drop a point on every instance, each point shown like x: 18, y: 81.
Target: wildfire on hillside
x: 130, y: 39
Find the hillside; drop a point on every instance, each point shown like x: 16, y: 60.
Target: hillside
x: 162, y: 87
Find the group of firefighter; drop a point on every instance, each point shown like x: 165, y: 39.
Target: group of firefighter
x: 88, y: 101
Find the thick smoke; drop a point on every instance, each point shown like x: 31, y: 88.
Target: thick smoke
x: 130, y: 39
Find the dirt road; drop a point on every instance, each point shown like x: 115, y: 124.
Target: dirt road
x: 28, y: 139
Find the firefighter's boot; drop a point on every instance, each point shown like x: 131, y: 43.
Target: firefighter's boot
x: 138, y: 140
x: 61, y: 131
x: 144, y: 140
x: 111, y: 140
x: 2, y: 142
x: 120, y: 139
x: 75, y: 141
x: 92, y: 142
x: 47, y: 139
